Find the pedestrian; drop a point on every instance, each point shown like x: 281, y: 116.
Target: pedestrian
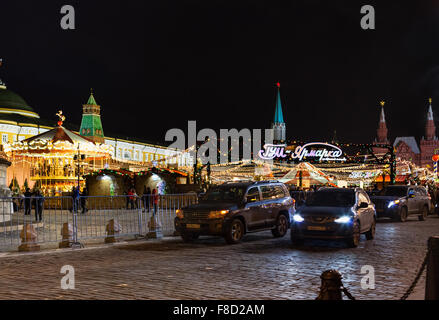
x: 126, y: 193
x: 39, y: 201
x: 146, y: 201
x: 155, y: 200
x: 75, y: 198
x: 132, y: 198
x: 27, y: 201
x: 84, y: 196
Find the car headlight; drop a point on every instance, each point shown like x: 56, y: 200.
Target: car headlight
x: 393, y: 203
x: 344, y: 219
x: 217, y: 214
x: 179, y: 213
x: 298, y: 218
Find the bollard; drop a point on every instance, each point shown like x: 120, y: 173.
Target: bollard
x: 113, y: 229
x: 331, y: 286
x: 432, y: 280
x: 155, y: 229
x: 28, y: 237
x: 67, y: 236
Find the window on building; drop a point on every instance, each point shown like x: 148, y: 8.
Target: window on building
x: 4, y: 138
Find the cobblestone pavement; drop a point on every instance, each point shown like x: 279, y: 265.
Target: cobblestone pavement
x: 259, y: 268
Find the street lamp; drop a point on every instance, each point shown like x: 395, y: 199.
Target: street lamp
x: 79, y: 157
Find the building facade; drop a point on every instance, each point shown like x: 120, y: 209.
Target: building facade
x: 19, y: 121
x: 407, y: 148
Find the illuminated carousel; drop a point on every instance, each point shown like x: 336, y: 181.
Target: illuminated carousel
x: 58, y: 159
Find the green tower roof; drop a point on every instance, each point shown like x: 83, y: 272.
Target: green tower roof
x: 91, y: 100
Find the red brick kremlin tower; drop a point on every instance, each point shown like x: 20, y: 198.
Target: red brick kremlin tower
x: 381, y: 132
x: 429, y: 143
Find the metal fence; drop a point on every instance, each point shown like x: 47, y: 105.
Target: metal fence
x: 88, y: 217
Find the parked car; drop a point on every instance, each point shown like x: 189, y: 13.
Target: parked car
x: 335, y: 213
x: 398, y: 202
x: 234, y: 209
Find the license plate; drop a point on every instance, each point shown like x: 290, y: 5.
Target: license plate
x: 316, y: 228
x: 193, y: 226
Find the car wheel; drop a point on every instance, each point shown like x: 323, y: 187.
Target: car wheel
x: 353, y: 241
x: 371, y: 233
x: 403, y: 215
x: 235, y: 232
x: 189, y: 236
x: 281, y: 227
x: 423, y: 215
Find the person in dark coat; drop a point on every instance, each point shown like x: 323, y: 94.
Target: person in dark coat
x: 84, y: 196
x: 39, y: 201
x: 126, y: 193
x: 146, y: 198
x: 27, y: 202
x: 75, y: 198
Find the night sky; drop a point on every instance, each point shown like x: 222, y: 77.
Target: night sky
x: 154, y: 65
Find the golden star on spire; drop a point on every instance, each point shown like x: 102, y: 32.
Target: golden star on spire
x: 382, y: 103
x: 430, y: 100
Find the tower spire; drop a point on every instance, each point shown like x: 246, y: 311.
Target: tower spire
x: 430, y: 128
x: 278, y: 122
x: 382, y: 127
x: 91, y: 100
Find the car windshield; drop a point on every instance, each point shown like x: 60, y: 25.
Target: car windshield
x: 395, y: 192
x: 225, y: 194
x: 331, y: 199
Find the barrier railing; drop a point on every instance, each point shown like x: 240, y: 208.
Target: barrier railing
x: 42, y: 220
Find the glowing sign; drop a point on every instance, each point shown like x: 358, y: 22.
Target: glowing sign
x: 314, y: 151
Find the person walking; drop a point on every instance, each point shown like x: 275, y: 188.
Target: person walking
x: 84, y: 196
x: 27, y: 201
x: 75, y: 198
x: 146, y: 198
x: 155, y: 200
x: 39, y: 201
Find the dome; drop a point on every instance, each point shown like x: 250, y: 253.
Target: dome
x: 10, y: 102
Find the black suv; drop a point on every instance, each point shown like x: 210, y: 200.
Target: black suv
x: 398, y: 202
x: 233, y: 209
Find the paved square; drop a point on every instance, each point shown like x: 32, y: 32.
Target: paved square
x: 259, y: 268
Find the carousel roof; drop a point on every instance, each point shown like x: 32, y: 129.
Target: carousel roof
x: 59, y: 134
x: 57, y: 141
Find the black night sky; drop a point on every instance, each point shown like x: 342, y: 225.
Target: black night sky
x: 154, y: 65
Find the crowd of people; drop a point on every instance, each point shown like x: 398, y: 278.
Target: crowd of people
x: 35, y: 200
x: 149, y: 199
